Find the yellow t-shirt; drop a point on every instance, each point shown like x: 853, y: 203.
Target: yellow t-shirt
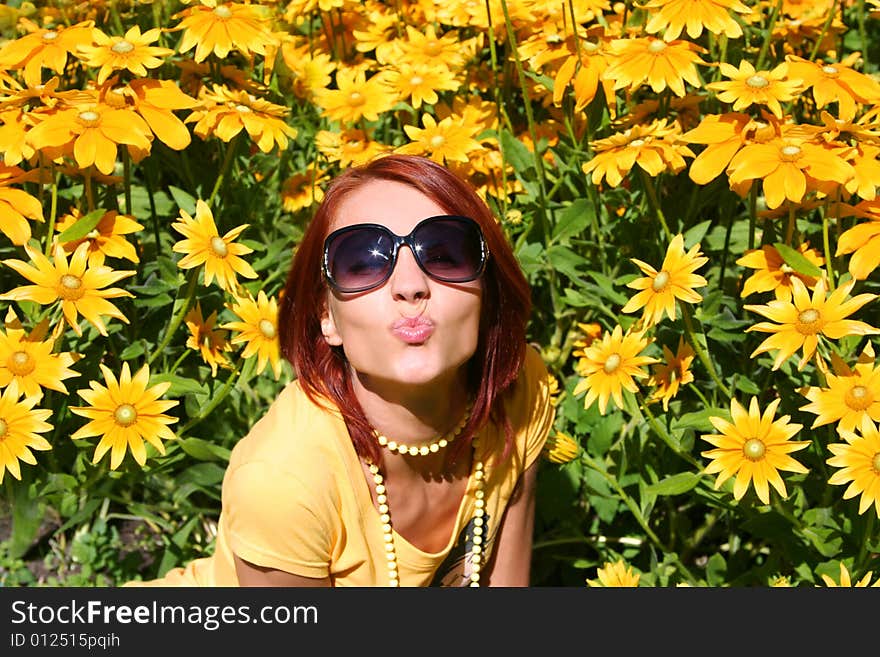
x: 295, y: 497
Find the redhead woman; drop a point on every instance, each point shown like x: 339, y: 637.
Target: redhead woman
x: 404, y: 452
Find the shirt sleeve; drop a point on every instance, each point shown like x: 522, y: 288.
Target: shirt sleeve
x: 273, y: 521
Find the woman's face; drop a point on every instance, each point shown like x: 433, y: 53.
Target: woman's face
x: 412, y: 330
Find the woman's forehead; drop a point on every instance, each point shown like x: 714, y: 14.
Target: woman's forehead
x: 395, y: 205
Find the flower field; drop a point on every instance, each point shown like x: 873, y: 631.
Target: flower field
x: 691, y: 187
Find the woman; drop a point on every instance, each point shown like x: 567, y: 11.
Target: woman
x: 405, y: 451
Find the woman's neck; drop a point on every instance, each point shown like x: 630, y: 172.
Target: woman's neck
x: 413, y: 415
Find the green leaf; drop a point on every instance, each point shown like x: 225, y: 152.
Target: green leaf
x: 716, y: 570
x: 202, y: 474
x: 26, y: 519
x: 573, y: 219
x: 516, y: 153
x: 203, y: 450
x: 179, y: 385
x: 674, y: 485
x: 606, y: 285
x: 185, y: 201
x: 698, y: 420
x: 565, y: 260
x: 695, y: 234
x: 796, y: 260
x: 82, y: 226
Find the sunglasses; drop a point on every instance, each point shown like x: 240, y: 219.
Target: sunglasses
x: 447, y: 248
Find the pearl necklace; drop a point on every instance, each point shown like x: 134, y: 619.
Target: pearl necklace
x: 388, y: 532
x: 430, y: 448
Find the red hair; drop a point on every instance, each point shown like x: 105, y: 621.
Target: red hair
x: 323, y: 371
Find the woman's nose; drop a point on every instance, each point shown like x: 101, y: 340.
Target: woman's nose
x: 408, y: 281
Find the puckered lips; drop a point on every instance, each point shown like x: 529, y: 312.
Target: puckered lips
x: 413, y: 330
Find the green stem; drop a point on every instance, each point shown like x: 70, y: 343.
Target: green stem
x: 790, y: 225
x: 768, y: 36
x: 699, y: 393
x: 126, y: 172
x: 634, y: 509
x: 215, y: 401
x: 753, y: 214
x: 654, y: 202
x: 53, y: 213
x: 662, y: 433
x: 866, y: 540
x: 224, y: 168
x: 821, y: 37
x: 826, y: 246
x: 701, y: 353
x: 530, y: 119
x: 177, y: 317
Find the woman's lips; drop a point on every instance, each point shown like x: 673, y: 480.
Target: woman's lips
x: 412, y: 330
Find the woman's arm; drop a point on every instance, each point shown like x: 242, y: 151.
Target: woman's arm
x: 251, y: 575
x: 510, y: 564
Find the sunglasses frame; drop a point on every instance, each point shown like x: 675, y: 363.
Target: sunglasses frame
x: 397, y: 242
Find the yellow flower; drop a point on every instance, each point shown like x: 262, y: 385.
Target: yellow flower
x: 205, y: 339
x: 850, y: 395
x: 228, y: 112
x: 20, y: 424
x: 783, y: 165
x: 155, y: 101
x: 76, y: 285
x: 609, y: 365
x: 836, y: 82
x: 866, y: 175
x: 773, y: 274
x: 427, y: 48
x: 652, y: 147
x: 560, y: 448
x: 29, y: 361
x: 672, y: 373
x: 780, y: 581
x: 203, y: 245
x: 224, y: 27
x: 302, y: 190
x: 859, y: 461
x: 748, y: 86
x: 258, y: 328
x: 862, y: 241
x: 356, y: 97
x: 129, y: 53
x: 675, y: 280
x: 616, y: 574
x: 95, y: 129
x: 448, y: 141
x: 672, y: 16
x: 348, y: 147
x: 44, y: 47
x: 754, y: 447
x: 800, y: 322
x: 660, y: 64
x: 584, y: 72
x: 590, y: 332
x: 16, y: 205
x: 420, y: 84
x: 105, y: 239
x: 310, y: 71
x: 14, y: 124
x: 724, y: 135
x: 846, y: 581
x: 125, y: 413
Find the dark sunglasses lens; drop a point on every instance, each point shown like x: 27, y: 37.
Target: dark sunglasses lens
x: 450, y: 249
x: 359, y: 258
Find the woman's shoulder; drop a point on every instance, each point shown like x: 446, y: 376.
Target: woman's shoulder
x: 293, y: 429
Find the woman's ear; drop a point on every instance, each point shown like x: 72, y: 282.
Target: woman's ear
x: 328, y: 328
